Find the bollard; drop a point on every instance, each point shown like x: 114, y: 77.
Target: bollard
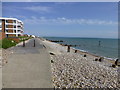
x: 23, y: 43
x: 34, y: 43
x: 68, y: 50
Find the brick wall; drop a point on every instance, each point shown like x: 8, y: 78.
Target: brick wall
x: 15, y: 39
x: 2, y: 33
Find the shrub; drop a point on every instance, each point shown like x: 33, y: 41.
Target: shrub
x: 0, y: 43
x: 6, y: 43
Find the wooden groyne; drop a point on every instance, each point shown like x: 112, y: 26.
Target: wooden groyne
x: 55, y: 40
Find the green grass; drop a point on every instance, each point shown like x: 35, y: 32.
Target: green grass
x: 23, y: 38
x: 6, y: 43
x: 0, y: 43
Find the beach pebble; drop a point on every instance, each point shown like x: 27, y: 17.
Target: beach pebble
x: 70, y: 72
x: 79, y: 70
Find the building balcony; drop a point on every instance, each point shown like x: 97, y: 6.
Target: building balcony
x: 19, y: 29
x: 19, y: 24
x: 10, y: 21
x: 11, y: 24
x: 9, y: 33
x: 13, y: 33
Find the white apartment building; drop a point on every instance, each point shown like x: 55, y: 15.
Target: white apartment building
x: 11, y: 27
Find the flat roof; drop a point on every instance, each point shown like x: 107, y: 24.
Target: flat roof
x: 10, y: 19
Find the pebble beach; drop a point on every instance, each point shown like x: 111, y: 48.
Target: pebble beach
x: 73, y: 70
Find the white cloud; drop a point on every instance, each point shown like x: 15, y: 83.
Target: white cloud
x: 40, y: 9
x: 66, y: 21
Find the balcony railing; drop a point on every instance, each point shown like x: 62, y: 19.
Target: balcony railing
x: 10, y: 23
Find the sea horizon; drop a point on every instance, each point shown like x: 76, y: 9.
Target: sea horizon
x: 78, y: 37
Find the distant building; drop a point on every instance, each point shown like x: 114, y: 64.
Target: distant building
x: 33, y: 36
x: 10, y: 28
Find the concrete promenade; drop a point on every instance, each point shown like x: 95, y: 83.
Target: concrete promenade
x: 28, y: 67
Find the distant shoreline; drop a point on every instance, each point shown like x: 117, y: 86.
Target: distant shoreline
x: 83, y: 50
x: 78, y: 37
x: 72, y: 49
x: 111, y: 60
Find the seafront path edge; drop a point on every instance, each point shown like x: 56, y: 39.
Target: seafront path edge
x: 28, y: 67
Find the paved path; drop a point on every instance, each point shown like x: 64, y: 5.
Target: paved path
x: 28, y: 67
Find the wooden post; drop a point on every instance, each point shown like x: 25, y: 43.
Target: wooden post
x: 116, y: 62
x: 68, y: 50
x: 75, y: 51
x: 99, y: 43
x: 34, y: 42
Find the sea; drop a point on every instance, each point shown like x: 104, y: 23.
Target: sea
x: 104, y: 47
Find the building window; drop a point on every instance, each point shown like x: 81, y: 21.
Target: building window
x: 14, y: 21
x: 9, y: 21
x: 6, y: 26
x: 19, y: 35
x: 6, y: 21
x: 15, y: 31
x: 14, y: 26
x: 6, y: 30
x: 6, y: 35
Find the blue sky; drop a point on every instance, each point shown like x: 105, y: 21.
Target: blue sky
x: 80, y: 19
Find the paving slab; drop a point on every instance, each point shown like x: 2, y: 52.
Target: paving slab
x: 28, y: 67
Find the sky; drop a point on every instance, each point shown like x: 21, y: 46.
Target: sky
x: 60, y: 0
x: 66, y: 19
